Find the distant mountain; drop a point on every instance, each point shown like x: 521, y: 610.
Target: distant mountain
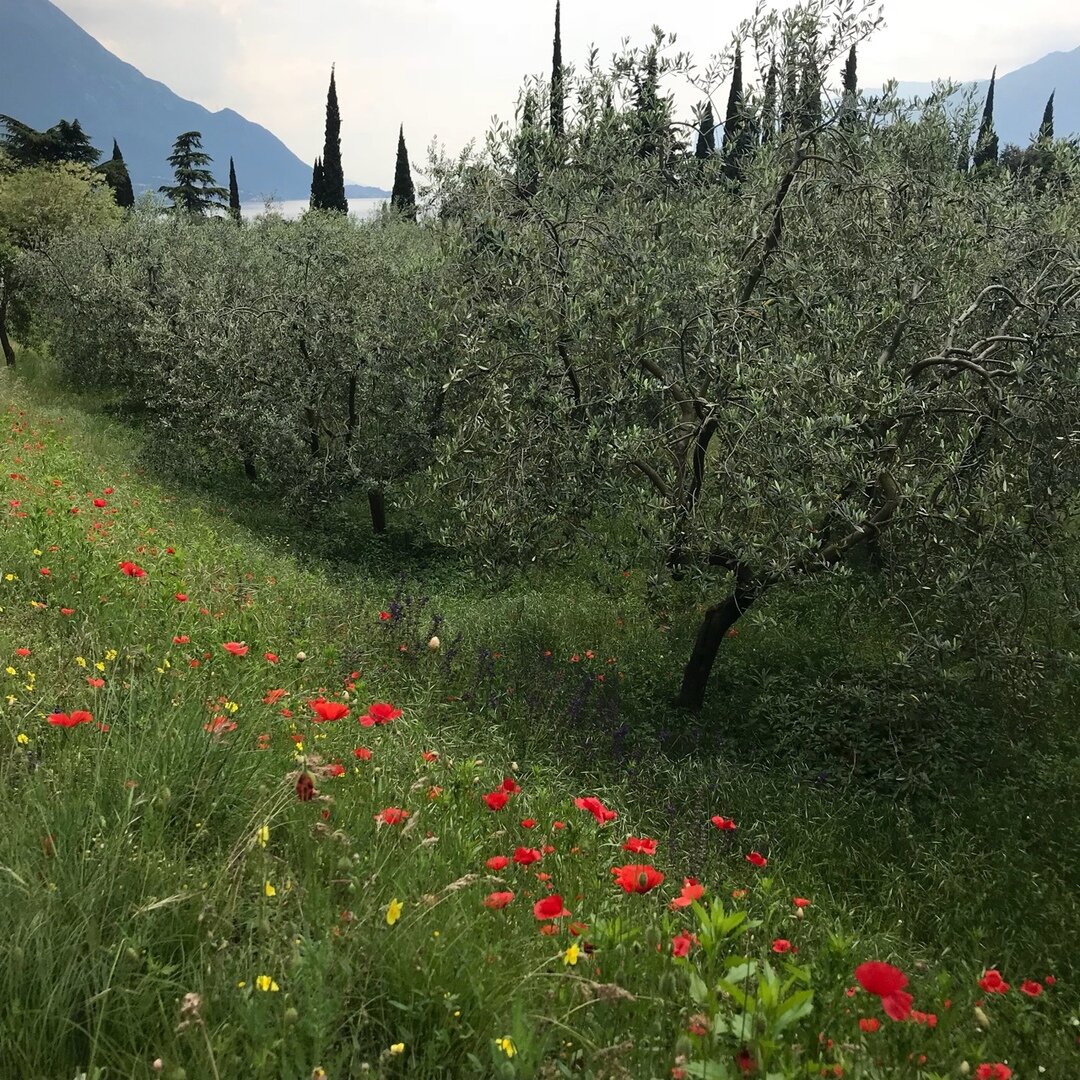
x: 1020, y: 97
x: 50, y: 68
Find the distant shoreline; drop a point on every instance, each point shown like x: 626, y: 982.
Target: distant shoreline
x: 293, y: 208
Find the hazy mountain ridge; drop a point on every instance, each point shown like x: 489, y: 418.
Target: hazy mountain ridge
x: 51, y: 68
x: 1020, y: 97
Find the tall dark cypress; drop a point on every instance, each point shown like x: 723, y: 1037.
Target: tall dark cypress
x: 333, y: 188
x: 849, y: 107
x: 234, y: 193
x: 403, y: 197
x: 986, y: 146
x: 648, y: 106
x: 768, y: 104
x: 1046, y: 128
x: 706, y: 138
x: 789, y: 105
x: 118, y: 178
x: 733, y: 117
x: 557, y: 91
x: 810, y: 92
x: 318, y: 186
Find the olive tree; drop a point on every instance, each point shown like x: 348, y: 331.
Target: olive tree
x: 848, y: 351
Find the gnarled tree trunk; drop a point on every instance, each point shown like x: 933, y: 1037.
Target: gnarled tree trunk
x: 377, y: 508
x: 718, y: 620
x: 5, y: 342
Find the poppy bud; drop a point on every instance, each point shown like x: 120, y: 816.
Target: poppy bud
x: 981, y: 1018
x: 799, y: 913
x: 301, y: 656
x: 965, y: 1068
x: 433, y: 644
x: 291, y: 1016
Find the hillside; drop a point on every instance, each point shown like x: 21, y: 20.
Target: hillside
x: 1020, y: 96
x: 51, y: 68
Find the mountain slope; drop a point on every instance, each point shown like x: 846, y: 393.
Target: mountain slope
x: 1020, y: 96
x: 51, y: 68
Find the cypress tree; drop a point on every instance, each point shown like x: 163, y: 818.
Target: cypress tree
x: 986, y: 146
x: 768, y: 104
x: 648, y: 107
x: 810, y: 93
x: 789, y: 107
x: 849, y: 108
x: 526, y: 154
x: 234, y: 193
x: 1046, y: 128
x: 318, y: 186
x: 403, y: 197
x: 733, y: 116
x: 117, y: 177
x: 706, y: 139
x: 332, y: 194
x: 557, y: 92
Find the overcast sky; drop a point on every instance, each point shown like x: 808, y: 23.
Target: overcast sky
x: 444, y: 67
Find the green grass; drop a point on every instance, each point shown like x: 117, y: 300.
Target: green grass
x: 132, y: 872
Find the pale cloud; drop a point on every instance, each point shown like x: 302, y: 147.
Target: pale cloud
x: 444, y: 67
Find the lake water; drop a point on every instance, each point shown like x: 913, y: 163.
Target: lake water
x: 293, y: 208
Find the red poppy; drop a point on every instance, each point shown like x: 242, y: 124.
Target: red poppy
x: 45, y: 572
x: 993, y: 1071
x: 274, y: 696
x: 429, y: 756
x: 496, y: 800
x: 67, y: 611
x: 1050, y: 980
x: 72, y: 719
x: 335, y: 769
x: 271, y: 658
x: 392, y: 815
x: 756, y: 859
x: 181, y: 598
x: 596, y: 808
x: 691, y: 891
x: 498, y: 900
x: 1031, y: 988
x: 993, y: 983
x: 22, y: 651
x: 558, y: 824
x: 528, y: 823
x: 363, y: 753
x: 897, y: 1006
x: 97, y: 684
x: 237, y: 648
x: 181, y: 639
x: 220, y: 725
x: 551, y: 907
x: 929, y: 1019
x: 131, y: 570
x: 781, y: 945
x: 524, y: 856
x: 879, y: 978
x: 510, y: 786
x: 637, y: 878
x: 328, y: 710
x: 640, y: 845
x: 680, y: 944
x: 379, y: 713
x: 384, y: 616
x: 746, y: 1062
x: 305, y: 787
x: 725, y: 824
x: 800, y: 902
x: 869, y: 1024
x: 497, y: 862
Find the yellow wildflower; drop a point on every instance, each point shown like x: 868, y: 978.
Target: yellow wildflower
x: 269, y: 889
x: 393, y: 911
x: 11, y: 577
x: 11, y: 671
x: 100, y: 666
x: 265, y: 983
x: 264, y: 835
x: 111, y: 655
x: 22, y: 738
x: 397, y: 1048
x: 230, y: 706
x: 241, y: 984
x: 81, y: 661
x: 571, y: 955
x: 506, y: 1045
x: 37, y: 551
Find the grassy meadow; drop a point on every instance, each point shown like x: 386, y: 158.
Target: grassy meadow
x: 286, y: 800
